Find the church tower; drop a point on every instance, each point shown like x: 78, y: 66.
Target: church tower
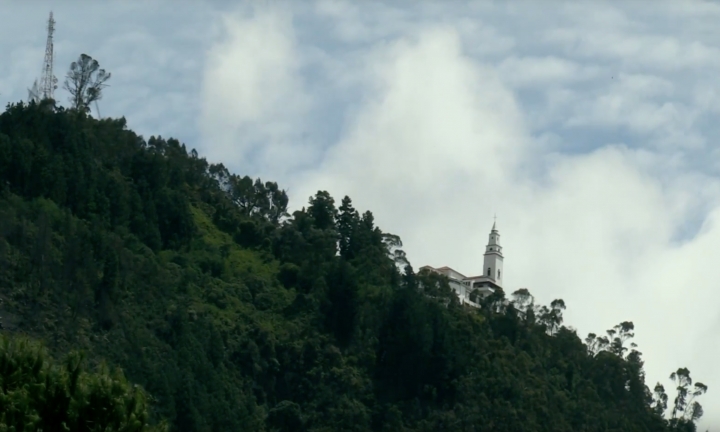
x: 493, y: 258
x: 471, y: 290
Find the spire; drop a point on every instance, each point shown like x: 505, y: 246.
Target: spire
x: 493, y: 257
x: 493, y: 245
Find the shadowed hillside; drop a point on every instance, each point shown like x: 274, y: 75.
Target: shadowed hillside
x: 234, y: 315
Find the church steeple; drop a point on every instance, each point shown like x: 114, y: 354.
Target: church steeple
x: 493, y: 258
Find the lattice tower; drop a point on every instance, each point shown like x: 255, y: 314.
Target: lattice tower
x: 48, y: 82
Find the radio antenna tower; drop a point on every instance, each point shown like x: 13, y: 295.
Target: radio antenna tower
x: 45, y: 89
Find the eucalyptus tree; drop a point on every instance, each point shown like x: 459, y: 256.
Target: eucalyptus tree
x: 85, y: 81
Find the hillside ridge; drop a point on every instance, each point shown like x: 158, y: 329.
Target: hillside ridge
x: 234, y: 315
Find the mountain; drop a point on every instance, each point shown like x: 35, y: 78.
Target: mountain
x: 232, y: 314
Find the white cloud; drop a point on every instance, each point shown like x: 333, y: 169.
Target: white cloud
x: 253, y: 96
x: 520, y: 72
x: 352, y: 23
x: 481, y: 38
x: 420, y: 127
x: 643, y: 85
x: 604, y: 32
x: 20, y: 71
x: 622, y: 109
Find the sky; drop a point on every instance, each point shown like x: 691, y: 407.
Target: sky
x: 588, y: 127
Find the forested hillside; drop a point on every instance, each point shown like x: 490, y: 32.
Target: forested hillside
x: 235, y: 316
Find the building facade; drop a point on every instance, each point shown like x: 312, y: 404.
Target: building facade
x: 484, y: 284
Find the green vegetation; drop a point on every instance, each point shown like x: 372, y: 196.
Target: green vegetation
x: 38, y: 395
x: 233, y: 315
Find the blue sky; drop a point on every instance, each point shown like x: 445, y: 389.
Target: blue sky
x: 590, y: 128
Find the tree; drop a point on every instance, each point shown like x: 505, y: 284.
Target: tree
x: 253, y: 197
x: 614, y: 342
x: 685, y: 407
x: 595, y: 344
x: 660, y: 399
x: 347, y: 220
x: 285, y: 416
x: 619, y: 335
x: 40, y: 394
x: 552, y: 317
x: 85, y: 81
x: 322, y: 209
x: 393, y: 243
x: 523, y: 302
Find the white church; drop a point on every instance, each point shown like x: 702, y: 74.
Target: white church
x: 484, y: 284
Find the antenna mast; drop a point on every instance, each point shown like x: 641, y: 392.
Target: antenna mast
x: 48, y: 82
x: 34, y: 92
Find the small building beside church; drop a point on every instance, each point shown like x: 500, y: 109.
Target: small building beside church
x: 484, y: 284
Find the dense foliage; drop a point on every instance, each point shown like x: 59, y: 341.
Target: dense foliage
x: 40, y: 395
x: 234, y: 315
